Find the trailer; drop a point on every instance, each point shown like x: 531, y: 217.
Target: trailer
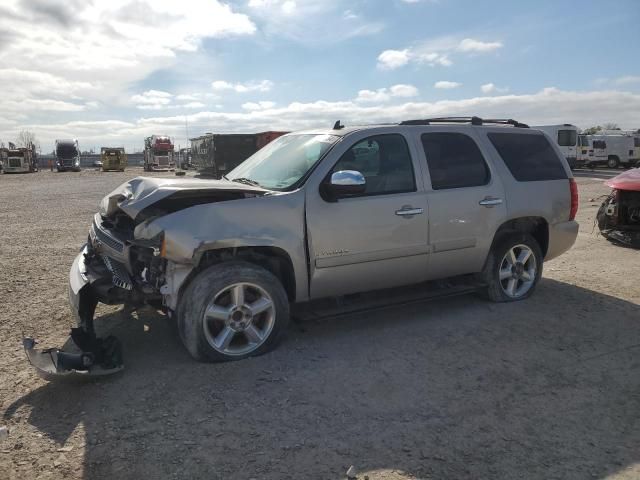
x: 217, y: 154
x: 158, y: 153
x: 565, y: 136
x: 113, y: 158
x: 67, y: 153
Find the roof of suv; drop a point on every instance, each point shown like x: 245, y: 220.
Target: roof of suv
x: 341, y: 130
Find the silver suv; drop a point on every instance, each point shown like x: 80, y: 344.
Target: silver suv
x: 325, y: 213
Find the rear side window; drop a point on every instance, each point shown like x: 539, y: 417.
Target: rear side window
x: 567, y: 138
x: 529, y: 158
x: 454, y: 161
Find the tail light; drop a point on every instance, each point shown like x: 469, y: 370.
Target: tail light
x: 573, y: 188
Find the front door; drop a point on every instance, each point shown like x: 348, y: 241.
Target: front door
x: 375, y: 240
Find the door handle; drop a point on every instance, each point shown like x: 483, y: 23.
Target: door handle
x: 408, y: 211
x: 490, y: 202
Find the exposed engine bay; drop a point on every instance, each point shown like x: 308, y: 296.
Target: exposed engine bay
x: 618, y: 217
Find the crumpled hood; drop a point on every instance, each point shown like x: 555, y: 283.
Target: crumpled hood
x: 141, y: 192
x: 629, y: 180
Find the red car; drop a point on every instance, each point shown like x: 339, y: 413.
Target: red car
x: 619, y: 215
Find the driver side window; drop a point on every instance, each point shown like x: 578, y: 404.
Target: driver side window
x: 385, y: 162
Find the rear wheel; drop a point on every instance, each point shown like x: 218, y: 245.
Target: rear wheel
x: 613, y: 162
x: 513, y: 268
x: 231, y: 311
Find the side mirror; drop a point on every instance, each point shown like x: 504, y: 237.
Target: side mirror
x: 346, y: 183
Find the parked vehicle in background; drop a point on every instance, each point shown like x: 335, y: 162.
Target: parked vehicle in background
x: 67, y: 155
x: 21, y: 160
x: 565, y: 136
x: 619, y: 215
x: 325, y: 213
x: 214, y: 155
x: 184, y: 158
x: 612, y: 149
x: 3, y: 158
x: 159, y: 153
x: 263, y: 138
x: 113, y: 158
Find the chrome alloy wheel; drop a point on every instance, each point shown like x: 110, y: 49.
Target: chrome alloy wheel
x: 239, y: 319
x: 518, y: 271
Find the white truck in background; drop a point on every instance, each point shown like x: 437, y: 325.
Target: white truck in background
x: 614, y: 148
x: 566, y: 137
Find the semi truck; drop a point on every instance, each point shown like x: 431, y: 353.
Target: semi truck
x: 113, y: 158
x: 21, y: 160
x: 215, y: 155
x: 158, y: 153
x: 67, y: 155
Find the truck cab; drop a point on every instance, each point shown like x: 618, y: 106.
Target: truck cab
x: 67, y: 155
x: 158, y: 153
x: 20, y: 160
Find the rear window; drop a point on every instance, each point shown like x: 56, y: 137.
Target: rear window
x: 567, y: 138
x: 529, y: 158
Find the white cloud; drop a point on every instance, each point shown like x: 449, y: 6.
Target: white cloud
x: 152, y: 100
x: 254, y: 86
x: 434, y: 52
x: 263, y: 105
x: 627, y: 79
x: 447, y: 85
x: 392, y: 59
x: 404, y: 90
x: 192, y: 105
x: 87, y: 54
x: 548, y: 106
x: 311, y: 22
x: 471, y: 45
x: 492, y: 88
x: 385, y: 94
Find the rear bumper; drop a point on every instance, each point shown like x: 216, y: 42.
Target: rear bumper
x: 562, y: 236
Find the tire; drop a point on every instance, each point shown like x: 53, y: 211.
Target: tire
x: 613, y: 162
x: 231, y: 332
x: 500, y: 290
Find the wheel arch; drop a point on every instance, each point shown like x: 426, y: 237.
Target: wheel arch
x: 273, y: 259
x: 537, y: 227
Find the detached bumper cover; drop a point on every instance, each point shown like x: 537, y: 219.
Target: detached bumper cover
x: 84, y: 355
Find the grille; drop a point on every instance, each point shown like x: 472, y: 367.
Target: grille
x: 107, y: 239
x: 15, y: 162
x: 120, y: 277
x: 163, y: 161
x: 67, y: 162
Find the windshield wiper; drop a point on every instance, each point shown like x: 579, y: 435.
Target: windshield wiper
x: 246, y: 181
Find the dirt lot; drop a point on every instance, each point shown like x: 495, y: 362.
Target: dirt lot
x: 457, y: 388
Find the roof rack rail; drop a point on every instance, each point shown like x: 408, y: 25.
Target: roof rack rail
x: 472, y: 120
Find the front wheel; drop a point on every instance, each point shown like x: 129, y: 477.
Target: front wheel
x: 231, y: 311
x: 513, y: 268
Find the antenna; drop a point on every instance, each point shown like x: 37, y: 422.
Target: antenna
x: 337, y: 125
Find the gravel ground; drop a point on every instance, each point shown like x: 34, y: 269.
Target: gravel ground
x: 547, y: 388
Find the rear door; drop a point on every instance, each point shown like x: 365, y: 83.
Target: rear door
x: 466, y: 201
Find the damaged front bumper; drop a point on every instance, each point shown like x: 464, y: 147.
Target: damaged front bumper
x: 84, y: 355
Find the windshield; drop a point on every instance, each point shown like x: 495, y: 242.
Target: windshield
x: 66, y: 151
x: 283, y: 162
x: 583, y: 141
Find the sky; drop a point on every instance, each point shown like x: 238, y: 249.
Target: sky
x: 111, y: 72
